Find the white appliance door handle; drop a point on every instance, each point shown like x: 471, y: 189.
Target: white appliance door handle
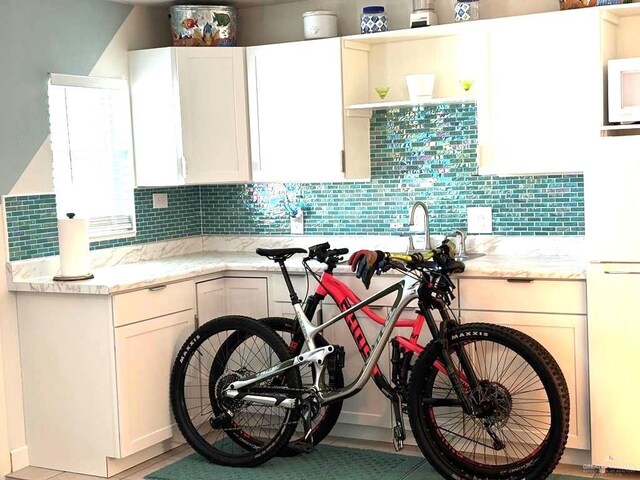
x: 620, y: 272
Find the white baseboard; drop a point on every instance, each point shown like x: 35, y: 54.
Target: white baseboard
x: 19, y: 458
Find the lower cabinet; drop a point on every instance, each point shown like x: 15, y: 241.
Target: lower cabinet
x: 553, y: 312
x: 232, y: 296
x: 96, y: 372
x: 145, y: 352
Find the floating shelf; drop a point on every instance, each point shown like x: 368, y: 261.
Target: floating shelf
x: 620, y: 130
x: 359, y: 109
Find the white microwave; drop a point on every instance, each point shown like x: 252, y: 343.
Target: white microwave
x: 624, y: 90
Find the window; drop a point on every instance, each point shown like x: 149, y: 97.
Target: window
x: 91, y: 144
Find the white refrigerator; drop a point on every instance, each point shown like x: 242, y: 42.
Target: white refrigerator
x: 612, y: 216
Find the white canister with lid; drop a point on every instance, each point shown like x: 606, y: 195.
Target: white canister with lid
x: 320, y: 24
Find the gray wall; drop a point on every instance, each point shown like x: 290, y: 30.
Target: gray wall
x: 38, y: 37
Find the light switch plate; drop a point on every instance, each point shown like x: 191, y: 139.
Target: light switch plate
x: 160, y: 200
x: 479, y: 220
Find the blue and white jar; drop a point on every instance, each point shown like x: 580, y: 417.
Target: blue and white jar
x: 373, y: 20
x: 466, y: 10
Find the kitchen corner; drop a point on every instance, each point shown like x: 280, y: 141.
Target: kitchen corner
x: 305, y: 142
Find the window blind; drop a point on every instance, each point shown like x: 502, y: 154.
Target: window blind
x: 91, y: 144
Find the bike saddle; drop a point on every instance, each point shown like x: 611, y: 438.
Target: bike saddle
x: 279, y: 253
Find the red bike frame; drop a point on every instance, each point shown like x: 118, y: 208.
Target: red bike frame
x: 344, y: 298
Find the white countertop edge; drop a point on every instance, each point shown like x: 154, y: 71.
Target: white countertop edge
x: 133, y: 276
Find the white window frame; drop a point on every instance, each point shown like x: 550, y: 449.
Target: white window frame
x: 122, y: 221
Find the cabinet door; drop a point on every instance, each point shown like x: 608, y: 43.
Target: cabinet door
x: 369, y: 408
x: 247, y: 296
x: 232, y: 296
x: 614, y: 356
x: 544, y: 94
x: 295, y: 111
x: 210, y: 300
x: 213, y: 105
x: 612, y: 201
x: 565, y: 337
x: 145, y: 352
x: 155, y: 114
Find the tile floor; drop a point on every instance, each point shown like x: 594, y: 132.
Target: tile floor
x: 138, y: 472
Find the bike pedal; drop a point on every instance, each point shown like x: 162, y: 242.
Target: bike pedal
x: 301, y: 447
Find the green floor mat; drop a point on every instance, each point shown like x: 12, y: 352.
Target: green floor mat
x: 324, y: 463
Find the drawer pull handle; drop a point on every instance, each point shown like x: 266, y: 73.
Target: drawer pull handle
x: 520, y: 280
x: 620, y: 272
x: 156, y: 288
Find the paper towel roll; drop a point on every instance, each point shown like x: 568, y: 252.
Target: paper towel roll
x: 73, y: 239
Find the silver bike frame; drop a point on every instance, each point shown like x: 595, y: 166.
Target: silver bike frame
x: 406, y: 292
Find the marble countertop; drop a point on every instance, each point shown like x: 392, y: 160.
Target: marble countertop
x: 142, y: 274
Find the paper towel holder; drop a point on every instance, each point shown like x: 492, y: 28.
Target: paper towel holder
x: 74, y: 278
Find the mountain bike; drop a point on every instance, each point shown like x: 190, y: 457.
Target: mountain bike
x: 484, y: 401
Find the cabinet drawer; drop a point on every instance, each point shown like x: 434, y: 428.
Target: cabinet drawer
x: 523, y: 295
x: 152, y: 302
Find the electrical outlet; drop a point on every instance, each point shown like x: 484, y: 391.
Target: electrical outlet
x: 297, y: 224
x: 479, y: 220
x: 160, y: 200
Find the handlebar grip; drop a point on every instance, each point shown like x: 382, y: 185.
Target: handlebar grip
x: 337, y: 251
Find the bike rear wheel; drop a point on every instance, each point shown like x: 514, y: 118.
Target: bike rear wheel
x: 230, y: 431
x: 521, y: 423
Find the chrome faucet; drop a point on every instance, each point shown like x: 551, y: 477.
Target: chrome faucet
x: 463, y: 243
x: 427, y: 233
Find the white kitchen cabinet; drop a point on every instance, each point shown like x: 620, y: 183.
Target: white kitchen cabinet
x: 189, y: 110
x: 296, y: 115
x: 145, y: 352
x: 611, y: 201
x: 96, y: 372
x: 232, y: 296
x: 553, y: 312
x: 614, y: 332
x: 544, y: 93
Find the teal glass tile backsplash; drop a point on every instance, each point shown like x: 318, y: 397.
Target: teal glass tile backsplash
x: 417, y: 153
x: 33, y: 230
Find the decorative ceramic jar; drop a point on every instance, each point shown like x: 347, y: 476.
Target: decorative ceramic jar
x: 320, y: 24
x: 466, y: 10
x: 373, y: 20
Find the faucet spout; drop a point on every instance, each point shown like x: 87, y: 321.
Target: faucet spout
x: 463, y: 242
x: 427, y: 232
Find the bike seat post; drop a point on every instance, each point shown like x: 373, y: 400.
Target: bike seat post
x: 287, y: 279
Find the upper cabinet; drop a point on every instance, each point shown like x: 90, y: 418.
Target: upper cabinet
x: 620, y: 39
x: 544, y: 93
x: 296, y: 114
x: 189, y: 110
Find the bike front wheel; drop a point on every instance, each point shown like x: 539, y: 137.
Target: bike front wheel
x: 520, y: 422
x: 232, y: 431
